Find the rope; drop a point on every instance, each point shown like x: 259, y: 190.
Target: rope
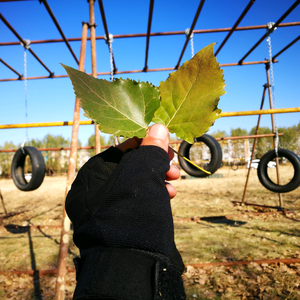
x: 270, y: 29
x: 187, y: 32
x: 25, y: 92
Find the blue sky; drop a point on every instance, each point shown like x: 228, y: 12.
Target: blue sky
x: 53, y: 99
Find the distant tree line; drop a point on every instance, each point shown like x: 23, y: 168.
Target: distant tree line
x: 53, y: 159
x: 289, y: 140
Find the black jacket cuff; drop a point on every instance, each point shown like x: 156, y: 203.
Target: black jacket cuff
x: 126, y: 274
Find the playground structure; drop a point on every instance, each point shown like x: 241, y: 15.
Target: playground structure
x: 76, y: 122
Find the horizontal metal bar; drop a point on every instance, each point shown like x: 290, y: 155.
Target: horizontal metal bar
x: 55, y: 149
x: 182, y: 32
x: 141, y: 71
x: 246, y: 262
x: 260, y: 112
x: 247, y: 136
x: 225, y: 114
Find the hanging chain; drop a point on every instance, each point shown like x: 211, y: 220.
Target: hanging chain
x: 25, y: 92
x: 270, y: 29
x: 187, y: 31
x: 109, y: 41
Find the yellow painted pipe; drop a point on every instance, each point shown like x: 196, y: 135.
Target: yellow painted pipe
x: 260, y: 112
x: 44, y: 124
x: 223, y: 114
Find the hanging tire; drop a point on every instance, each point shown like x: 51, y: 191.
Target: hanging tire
x: 212, y: 166
x: 262, y: 171
x: 234, y: 167
x: 38, y: 169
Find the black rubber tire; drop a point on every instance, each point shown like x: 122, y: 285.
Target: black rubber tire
x: 263, y: 176
x: 212, y: 166
x: 38, y: 169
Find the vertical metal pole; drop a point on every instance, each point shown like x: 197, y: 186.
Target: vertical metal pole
x: 94, y: 64
x: 64, y: 241
x: 274, y: 131
x: 254, y: 143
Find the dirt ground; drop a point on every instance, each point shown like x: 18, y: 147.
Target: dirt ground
x: 226, y: 232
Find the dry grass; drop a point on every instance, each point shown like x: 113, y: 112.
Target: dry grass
x: 242, y: 237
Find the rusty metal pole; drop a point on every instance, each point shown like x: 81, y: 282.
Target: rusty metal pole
x: 274, y: 131
x: 94, y: 64
x: 254, y: 144
x: 64, y: 241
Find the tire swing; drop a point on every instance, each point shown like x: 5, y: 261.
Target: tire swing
x: 212, y: 166
x: 262, y: 171
x: 37, y: 159
x: 234, y: 166
x: 38, y: 168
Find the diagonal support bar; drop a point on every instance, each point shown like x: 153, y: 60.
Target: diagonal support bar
x: 235, y: 25
x: 24, y: 43
x: 106, y: 29
x: 286, y: 47
x: 273, y: 27
x: 190, y: 33
x: 148, y: 33
x: 7, y: 65
x: 58, y: 28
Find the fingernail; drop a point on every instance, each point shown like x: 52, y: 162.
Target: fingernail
x: 158, y: 131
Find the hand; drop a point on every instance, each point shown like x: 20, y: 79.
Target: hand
x: 119, y: 205
x: 158, y: 135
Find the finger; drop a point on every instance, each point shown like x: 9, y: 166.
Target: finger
x: 171, y: 190
x: 173, y: 173
x: 129, y: 144
x: 158, y: 135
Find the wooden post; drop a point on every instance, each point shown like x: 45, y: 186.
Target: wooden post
x: 64, y: 241
x: 94, y: 64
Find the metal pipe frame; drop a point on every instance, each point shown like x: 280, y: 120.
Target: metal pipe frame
x: 254, y: 143
x: 190, y: 33
x: 224, y: 114
x: 134, y: 35
x: 94, y: 63
x: 173, y: 142
x: 148, y: 34
x: 235, y: 25
x: 58, y: 28
x: 24, y: 43
x: 139, y: 71
x: 273, y: 27
x: 106, y: 29
x: 7, y: 65
x: 64, y: 241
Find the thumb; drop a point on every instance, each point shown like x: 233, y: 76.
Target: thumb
x: 158, y: 135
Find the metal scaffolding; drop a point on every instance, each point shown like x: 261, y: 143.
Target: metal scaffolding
x: 61, y: 271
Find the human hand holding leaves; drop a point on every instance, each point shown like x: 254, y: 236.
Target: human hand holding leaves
x: 188, y: 104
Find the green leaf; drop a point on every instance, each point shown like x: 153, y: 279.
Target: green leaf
x: 189, y: 97
x: 122, y: 107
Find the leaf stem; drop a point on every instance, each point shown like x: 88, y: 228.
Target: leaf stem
x: 207, y: 172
